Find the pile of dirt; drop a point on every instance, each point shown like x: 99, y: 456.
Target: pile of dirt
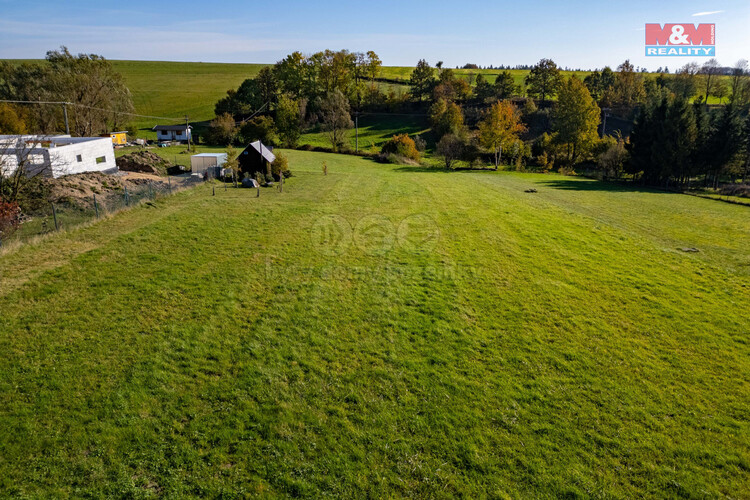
x: 79, y: 189
x: 144, y: 162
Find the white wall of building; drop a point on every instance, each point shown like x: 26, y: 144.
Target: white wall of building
x: 199, y: 163
x: 94, y: 155
x: 58, y: 155
x: 171, y: 135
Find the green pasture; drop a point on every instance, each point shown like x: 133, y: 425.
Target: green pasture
x: 383, y: 331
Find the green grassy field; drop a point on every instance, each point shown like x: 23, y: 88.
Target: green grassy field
x: 374, y: 130
x: 383, y: 331
x: 176, y: 89
x: 403, y: 73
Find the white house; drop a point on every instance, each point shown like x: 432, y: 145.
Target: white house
x: 181, y: 133
x: 56, y: 156
x: 200, y: 163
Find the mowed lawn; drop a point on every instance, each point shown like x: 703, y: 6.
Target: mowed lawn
x: 383, y: 331
x: 374, y: 131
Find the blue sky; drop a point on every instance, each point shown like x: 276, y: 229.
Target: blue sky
x: 582, y: 34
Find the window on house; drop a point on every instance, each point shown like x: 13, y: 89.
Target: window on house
x: 101, y: 159
x: 79, y: 158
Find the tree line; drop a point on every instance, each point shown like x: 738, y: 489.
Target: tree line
x: 543, y: 121
x: 88, y: 81
x: 299, y: 91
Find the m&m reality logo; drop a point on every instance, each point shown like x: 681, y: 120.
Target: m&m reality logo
x: 681, y: 40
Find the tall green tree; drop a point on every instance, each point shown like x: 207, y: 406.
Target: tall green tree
x: 544, y: 79
x: 575, y: 119
x: 267, y: 86
x: 593, y: 82
x: 288, y: 120
x: 100, y: 99
x: 628, y: 89
x: 222, y: 130
x: 663, y: 142
x: 739, y: 93
x: 710, y: 71
x: 247, y: 99
x: 600, y: 82
x: 422, y: 80
x: 723, y: 149
x: 90, y: 82
x: 260, y: 128
x: 446, y: 118
x: 292, y: 74
x: 684, y: 82
x: 505, y: 85
x: 335, y: 117
x: 483, y: 89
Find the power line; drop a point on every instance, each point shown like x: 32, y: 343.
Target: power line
x: 242, y: 122
x: 64, y: 103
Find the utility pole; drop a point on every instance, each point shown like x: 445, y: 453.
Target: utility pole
x: 604, y: 122
x: 187, y: 130
x: 65, y: 114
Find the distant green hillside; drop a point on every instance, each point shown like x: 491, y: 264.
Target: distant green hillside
x: 176, y: 89
x: 404, y: 72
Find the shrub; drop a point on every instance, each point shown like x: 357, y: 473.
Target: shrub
x: 612, y: 160
x: 10, y: 218
x: 739, y: 190
x: 222, y: 130
x: 450, y: 149
x: 529, y: 107
x: 566, y: 170
x: 544, y: 162
x: 420, y: 143
x: 401, y: 145
x: 280, y: 167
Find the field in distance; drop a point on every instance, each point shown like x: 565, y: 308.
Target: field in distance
x: 385, y: 331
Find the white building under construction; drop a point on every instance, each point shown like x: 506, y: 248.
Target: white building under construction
x: 56, y: 156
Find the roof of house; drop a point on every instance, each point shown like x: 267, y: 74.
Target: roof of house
x: 171, y: 128
x: 263, y: 150
x: 210, y: 155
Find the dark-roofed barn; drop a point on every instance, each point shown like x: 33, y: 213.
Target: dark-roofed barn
x: 257, y: 157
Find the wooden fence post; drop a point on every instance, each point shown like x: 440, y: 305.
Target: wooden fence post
x: 54, y: 215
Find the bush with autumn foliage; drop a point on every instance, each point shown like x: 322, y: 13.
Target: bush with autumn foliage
x: 10, y: 218
x: 401, y: 146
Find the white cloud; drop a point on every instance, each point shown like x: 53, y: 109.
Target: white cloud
x: 707, y: 13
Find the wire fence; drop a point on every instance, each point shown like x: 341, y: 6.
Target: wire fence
x: 74, y: 211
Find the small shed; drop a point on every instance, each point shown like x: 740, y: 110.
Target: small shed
x: 208, y: 162
x: 257, y: 157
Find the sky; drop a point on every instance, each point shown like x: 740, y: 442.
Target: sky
x: 575, y: 34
